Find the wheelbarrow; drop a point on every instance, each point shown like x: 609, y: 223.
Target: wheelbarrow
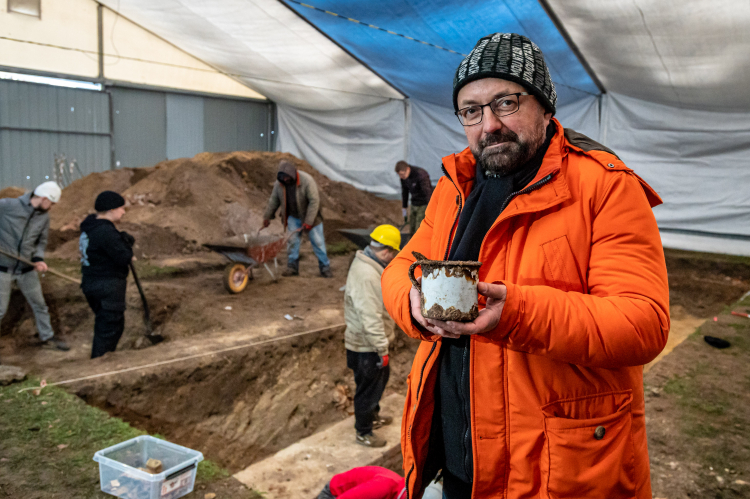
x: 247, y: 253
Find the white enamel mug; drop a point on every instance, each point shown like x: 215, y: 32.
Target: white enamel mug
x: 448, y: 290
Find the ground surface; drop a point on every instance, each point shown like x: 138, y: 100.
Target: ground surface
x: 240, y: 406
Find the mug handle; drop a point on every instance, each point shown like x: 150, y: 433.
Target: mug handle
x: 411, y: 275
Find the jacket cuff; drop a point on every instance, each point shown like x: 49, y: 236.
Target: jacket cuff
x: 512, y: 311
x: 37, y: 259
x: 383, y: 352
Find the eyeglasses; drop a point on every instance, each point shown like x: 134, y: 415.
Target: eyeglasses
x: 501, y: 106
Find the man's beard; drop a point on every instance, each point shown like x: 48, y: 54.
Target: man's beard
x: 514, y: 154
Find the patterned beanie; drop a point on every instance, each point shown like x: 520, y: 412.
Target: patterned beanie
x: 511, y: 57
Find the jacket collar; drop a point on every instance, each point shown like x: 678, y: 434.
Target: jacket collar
x: 362, y: 256
x: 461, y: 168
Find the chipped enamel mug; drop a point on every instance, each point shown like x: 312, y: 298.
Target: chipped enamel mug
x: 448, y: 290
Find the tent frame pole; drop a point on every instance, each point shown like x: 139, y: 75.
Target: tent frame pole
x: 561, y: 28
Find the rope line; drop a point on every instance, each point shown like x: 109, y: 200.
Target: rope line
x: 180, y: 359
x: 372, y: 26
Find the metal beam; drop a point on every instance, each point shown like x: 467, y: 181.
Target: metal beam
x: 559, y: 25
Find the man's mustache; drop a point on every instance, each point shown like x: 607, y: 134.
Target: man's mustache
x: 497, y: 138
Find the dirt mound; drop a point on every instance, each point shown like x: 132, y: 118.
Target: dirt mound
x: 178, y: 205
x: 12, y: 192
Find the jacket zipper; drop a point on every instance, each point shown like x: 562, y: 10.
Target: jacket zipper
x: 455, y: 220
x: 408, y: 475
x: 23, y: 235
x: 526, y: 190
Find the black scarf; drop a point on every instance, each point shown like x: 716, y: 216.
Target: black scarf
x: 485, y: 202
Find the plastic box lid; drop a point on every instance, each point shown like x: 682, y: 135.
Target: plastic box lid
x: 133, y: 454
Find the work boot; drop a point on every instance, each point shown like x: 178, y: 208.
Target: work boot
x: 292, y: 269
x: 381, y: 421
x: 56, y: 343
x: 326, y: 271
x: 370, y: 440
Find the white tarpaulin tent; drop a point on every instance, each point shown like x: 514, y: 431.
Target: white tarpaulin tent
x: 361, y: 85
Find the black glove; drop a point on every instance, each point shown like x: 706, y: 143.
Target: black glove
x: 129, y: 240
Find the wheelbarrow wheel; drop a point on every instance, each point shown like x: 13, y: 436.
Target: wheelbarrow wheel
x: 235, y: 277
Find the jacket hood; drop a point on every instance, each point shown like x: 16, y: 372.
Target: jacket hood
x: 91, y: 222
x: 288, y: 168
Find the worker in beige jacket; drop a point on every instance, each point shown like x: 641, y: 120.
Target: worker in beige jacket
x: 369, y: 330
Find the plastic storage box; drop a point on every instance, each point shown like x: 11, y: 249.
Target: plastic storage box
x: 120, y: 475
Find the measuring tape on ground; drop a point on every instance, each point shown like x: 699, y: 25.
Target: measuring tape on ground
x: 180, y: 359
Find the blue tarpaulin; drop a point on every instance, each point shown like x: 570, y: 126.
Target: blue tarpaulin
x: 423, y: 68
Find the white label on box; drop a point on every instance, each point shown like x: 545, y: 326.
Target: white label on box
x: 178, y: 482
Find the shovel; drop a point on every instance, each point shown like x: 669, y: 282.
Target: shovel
x: 153, y: 338
x: 27, y: 262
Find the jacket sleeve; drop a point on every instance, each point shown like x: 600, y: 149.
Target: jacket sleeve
x: 41, y: 244
x: 313, y: 202
x: 624, y: 318
x: 426, y: 184
x: 368, y: 298
x: 404, y: 195
x: 273, y: 202
x: 120, y: 253
x: 395, y: 279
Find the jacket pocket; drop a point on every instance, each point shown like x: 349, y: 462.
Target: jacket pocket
x: 560, y: 267
x: 589, y: 448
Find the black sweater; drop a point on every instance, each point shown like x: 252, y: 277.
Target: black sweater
x: 104, y: 252
x: 418, y: 185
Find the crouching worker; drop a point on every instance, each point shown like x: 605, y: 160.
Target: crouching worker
x: 369, y: 330
x: 105, y: 256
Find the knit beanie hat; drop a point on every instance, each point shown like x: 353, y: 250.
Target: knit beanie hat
x: 108, y: 200
x: 511, y: 57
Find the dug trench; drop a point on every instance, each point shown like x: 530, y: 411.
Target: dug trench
x: 239, y: 408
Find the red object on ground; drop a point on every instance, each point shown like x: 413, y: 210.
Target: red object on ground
x: 716, y: 319
x: 741, y: 314
x: 367, y: 482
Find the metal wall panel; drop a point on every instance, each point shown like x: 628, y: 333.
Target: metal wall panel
x: 232, y: 125
x: 27, y: 158
x: 44, y: 107
x: 139, y: 127
x: 39, y: 121
x: 184, y: 126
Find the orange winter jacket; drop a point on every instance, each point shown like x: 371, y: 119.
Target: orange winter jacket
x: 587, y: 307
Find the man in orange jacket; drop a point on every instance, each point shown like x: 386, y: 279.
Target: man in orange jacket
x: 542, y: 395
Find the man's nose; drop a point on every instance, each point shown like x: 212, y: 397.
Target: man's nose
x: 490, y: 122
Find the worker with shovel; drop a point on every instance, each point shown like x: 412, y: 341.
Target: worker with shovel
x: 369, y: 331
x: 24, y: 225
x: 106, y: 254
x: 297, y: 194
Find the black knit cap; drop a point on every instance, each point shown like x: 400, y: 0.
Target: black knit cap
x: 108, y: 200
x: 511, y: 57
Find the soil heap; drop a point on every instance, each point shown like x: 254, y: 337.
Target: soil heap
x: 178, y: 205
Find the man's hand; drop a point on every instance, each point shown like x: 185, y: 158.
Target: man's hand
x: 41, y: 267
x: 404, y: 212
x: 306, y: 227
x: 416, y: 312
x: 383, y: 362
x: 266, y: 223
x: 488, y: 318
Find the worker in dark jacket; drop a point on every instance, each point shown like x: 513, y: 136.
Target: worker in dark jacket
x: 106, y: 254
x: 296, y: 193
x: 414, y: 181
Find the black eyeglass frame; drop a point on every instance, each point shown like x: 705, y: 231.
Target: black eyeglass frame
x: 489, y: 104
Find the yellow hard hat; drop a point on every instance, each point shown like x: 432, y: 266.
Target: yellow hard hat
x: 387, y: 235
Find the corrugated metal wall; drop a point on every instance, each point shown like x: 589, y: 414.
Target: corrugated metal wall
x: 147, y: 126
x: 38, y: 121
x: 184, y: 126
x: 231, y: 125
x: 139, y: 127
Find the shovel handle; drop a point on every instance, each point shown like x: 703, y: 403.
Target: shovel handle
x: 51, y: 271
